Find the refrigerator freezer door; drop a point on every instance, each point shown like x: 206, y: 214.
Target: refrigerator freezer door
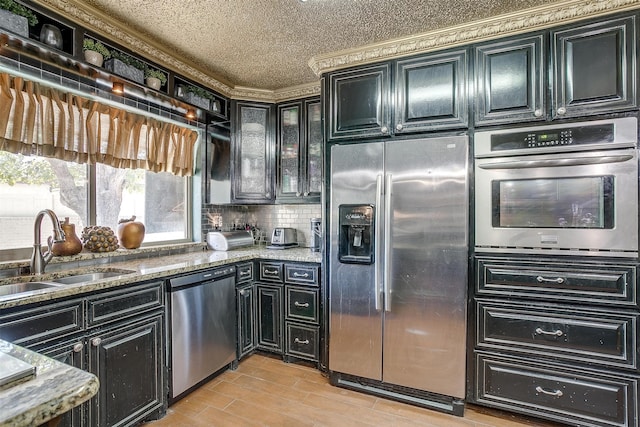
x: 425, y: 323
x: 355, y: 320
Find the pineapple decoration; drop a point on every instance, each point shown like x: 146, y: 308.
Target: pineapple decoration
x: 97, y: 238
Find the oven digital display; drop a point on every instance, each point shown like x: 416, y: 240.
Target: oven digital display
x: 584, y: 202
x: 542, y: 137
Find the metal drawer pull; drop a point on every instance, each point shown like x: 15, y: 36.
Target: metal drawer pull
x: 557, y: 333
x: 558, y: 280
x: 299, y: 304
x: 244, y: 273
x: 270, y: 271
x: 300, y: 274
x: 298, y: 341
x: 556, y: 393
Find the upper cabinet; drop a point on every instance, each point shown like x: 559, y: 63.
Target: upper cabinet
x: 425, y: 93
x: 591, y: 69
x: 431, y: 92
x: 253, y: 147
x: 359, y: 102
x: 299, y: 156
x: 510, y: 80
x: 594, y: 68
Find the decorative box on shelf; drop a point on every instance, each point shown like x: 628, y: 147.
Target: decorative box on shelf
x: 127, y: 71
x: 15, y: 23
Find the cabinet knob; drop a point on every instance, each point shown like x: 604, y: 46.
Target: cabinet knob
x: 243, y: 292
x: 537, y: 113
x: 267, y: 195
x: 298, y: 194
x: 96, y: 342
x: 306, y: 193
x: 561, y: 111
x: 77, y: 347
x: 384, y: 129
x: 399, y: 126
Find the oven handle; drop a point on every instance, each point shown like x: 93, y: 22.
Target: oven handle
x: 523, y: 164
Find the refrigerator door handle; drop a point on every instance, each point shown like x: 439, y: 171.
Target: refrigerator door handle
x: 387, y: 242
x: 378, y: 231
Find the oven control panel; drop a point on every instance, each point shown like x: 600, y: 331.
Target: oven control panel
x: 563, y: 137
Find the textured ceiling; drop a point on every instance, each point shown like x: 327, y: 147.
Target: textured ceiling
x: 267, y: 44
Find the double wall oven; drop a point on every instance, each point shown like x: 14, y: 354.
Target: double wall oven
x: 570, y: 188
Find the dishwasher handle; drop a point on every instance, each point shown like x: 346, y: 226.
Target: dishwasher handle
x: 200, y: 277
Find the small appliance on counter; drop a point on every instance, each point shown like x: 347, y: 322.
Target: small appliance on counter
x: 283, y: 238
x: 228, y: 240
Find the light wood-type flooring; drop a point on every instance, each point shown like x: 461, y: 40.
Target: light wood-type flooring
x: 265, y: 391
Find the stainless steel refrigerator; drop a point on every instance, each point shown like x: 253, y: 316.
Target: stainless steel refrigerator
x: 397, y: 259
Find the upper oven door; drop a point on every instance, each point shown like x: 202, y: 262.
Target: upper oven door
x: 572, y: 203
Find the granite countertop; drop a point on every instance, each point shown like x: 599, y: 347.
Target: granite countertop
x: 55, y: 389
x: 149, y: 269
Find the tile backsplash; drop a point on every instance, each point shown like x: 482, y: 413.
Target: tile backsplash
x: 263, y: 217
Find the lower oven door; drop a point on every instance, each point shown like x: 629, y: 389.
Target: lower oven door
x: 575, y: 203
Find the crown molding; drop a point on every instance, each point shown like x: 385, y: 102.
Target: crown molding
x: 527, y: 20
x: 500, y: 26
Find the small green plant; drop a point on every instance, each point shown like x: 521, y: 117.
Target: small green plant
x: 18, y: 9
x: 152, y: 72
x: 198, y: 91
x: 128, y: 59
x: 96, y: 46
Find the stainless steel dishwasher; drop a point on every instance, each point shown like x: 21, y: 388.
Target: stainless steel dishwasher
x: 203, y: 326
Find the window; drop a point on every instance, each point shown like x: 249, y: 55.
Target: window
x: 29, y: 184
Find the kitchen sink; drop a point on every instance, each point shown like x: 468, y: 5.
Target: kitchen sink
x: 90, y: 277
x: 25, y: 288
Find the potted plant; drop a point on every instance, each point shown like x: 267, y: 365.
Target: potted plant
x: 95, y: 52
x: 155, y: 78
x: 197, y: 96
x: 126, y: 66
x: 16, y: 17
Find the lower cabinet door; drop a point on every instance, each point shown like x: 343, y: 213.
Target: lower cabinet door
x: 72, y: 353
x: 269, y: 306
x: 128, y: 361
x: 246, y: 320
x: 566, y: 394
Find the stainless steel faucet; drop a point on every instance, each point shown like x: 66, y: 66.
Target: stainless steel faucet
x: 39, y: 260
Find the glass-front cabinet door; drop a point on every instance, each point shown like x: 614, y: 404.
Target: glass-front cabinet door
x: 313, y: 165
x: 253, y: 147
x: 299, y: 152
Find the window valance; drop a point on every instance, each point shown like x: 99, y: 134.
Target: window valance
x: 36, y: 119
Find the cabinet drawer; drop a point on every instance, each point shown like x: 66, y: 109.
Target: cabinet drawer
x: 301, y: 274
x: 37, y: 325
x: 559, y: 332
x: 561, y: 281
x: 244, y: 272
x: 271, y: 271
x: 123, y: 303
x: 302, y: 304
x: 302, y: 341
x: 560, y: 393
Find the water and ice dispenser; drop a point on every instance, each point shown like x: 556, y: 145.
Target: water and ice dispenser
x: 356, y: 234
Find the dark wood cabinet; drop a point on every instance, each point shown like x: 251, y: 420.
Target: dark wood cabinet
x: 595, y: 68
x: 591, y: 69
x: 299, y: 156
x: 117, y: 335
x: 269, y: 316
x: 555, y: 338
x: 359, y: 103
x: 510, y: 80
x: 431, y: 92
x: 253, y: 151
